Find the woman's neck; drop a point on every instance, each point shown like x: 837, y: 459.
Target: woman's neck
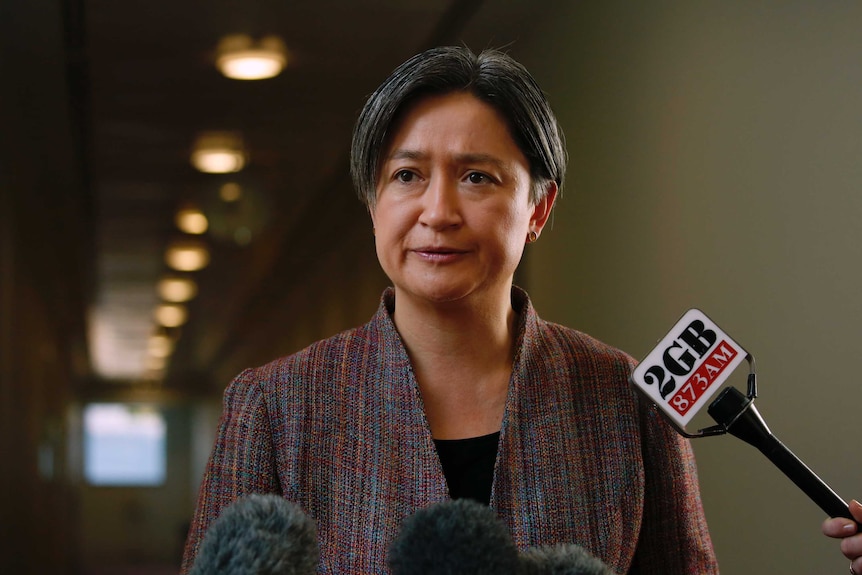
x: 479, y: 331
x: 462, y: 358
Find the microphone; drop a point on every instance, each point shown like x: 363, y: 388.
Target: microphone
x: 563, y: 559
x: 688, y: 366
x: 465, y: 537
x: 458, y: 537
x: 259, y: 535
x: 738, y: 415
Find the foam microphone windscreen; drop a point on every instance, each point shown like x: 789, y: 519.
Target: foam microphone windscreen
x: 453, y: 538
x: 259, y: 535
x: 564, y: 559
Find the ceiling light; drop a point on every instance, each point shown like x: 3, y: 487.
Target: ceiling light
x: 160, y: 346
x: 191, y: 221
x: 177, y: 289
x: 218, y: 153
x: 187, y: 256
x: 171, y: 315
x: 240, y: 58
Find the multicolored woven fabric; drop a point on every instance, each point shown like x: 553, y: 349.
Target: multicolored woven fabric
x: 339, y: 429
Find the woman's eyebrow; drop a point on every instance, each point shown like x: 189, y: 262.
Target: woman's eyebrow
x: 479, y: 158
x: 406, y: 154
x: 465, y: 158
x: 469, y: 157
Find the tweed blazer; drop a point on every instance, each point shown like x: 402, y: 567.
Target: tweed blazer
x: 339, y: 428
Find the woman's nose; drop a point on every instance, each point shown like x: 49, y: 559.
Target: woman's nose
x: 441, y: 204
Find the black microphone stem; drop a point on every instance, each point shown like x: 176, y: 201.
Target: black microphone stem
x: 741, y: 419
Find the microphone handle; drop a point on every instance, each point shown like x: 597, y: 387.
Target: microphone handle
x: 741, y: 419
x: 803, y: 477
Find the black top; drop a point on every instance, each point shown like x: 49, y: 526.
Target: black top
x: 468, y: 465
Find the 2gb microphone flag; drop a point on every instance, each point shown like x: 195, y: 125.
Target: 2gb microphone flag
x: 688, y: 366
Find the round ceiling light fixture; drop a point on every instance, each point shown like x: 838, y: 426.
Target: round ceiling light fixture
x: 218, y: 152
x: 160, y: 346
x: 171, y: 315
x: 241, y: 58
x: 187, y: 256
x: 176, y: 289
x: 191, y: 220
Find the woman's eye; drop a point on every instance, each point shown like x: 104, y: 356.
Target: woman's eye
x: 477, y: 178
x: 404, y: 176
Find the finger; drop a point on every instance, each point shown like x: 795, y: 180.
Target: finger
x: 851, y: 547
x: 839, y: 527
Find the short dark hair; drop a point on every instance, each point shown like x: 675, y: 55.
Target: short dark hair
x: 493, y: 77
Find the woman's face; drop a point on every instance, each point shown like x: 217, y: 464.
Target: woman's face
x: 453, y: 211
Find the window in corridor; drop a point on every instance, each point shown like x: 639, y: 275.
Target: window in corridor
x: 124, y: 445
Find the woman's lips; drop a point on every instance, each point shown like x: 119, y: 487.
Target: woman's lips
x: 439, y: 254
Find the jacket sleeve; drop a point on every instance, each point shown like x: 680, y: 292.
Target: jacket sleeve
x: 674, y: 538
x: 242, y: 460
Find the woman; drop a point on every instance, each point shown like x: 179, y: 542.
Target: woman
x: 456, y: 388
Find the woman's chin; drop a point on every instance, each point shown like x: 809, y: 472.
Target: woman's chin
x: 435, y: 294
x: 452, y: 292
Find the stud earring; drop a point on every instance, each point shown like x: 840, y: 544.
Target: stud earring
x: 532, y: 236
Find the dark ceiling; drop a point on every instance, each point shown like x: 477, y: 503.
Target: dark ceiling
x: 148, y: 85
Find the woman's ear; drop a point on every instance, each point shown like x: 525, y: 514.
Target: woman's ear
x: 542, y: 210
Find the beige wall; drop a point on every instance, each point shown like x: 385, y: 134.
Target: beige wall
x: 716, y: 162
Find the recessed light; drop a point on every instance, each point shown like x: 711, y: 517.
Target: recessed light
x: 241, y: 58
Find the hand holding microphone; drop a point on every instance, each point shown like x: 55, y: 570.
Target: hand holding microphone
x: 687, y: 367
x: 849, y: 532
